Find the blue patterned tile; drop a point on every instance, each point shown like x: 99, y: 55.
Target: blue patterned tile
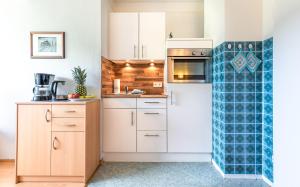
x: 250, y: 159
x: 239, y: 159
x: 250, y: 128
x: 258, y: 46
x: 239, y: 138
x: 239, y: 128
x: 229, y: 148
x: 229, y: 46
x: 240, y: 169
x: 250, y: 169
x: 250, y: 148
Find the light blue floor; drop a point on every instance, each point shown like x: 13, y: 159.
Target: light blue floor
x: 164, y: 175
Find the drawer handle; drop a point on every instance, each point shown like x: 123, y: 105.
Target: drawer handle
x: 151, y: 135
x: 70, y: 125
x: 53, y: 143
x: 46, y: 115
x: 132, y: 122
x: 151, y: 102
x: 70, y: 111
x: 151, y: 113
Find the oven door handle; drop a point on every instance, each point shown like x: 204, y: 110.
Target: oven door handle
x: 190, y: 58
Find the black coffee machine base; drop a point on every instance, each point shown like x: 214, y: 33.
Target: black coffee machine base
x: 42, y: 98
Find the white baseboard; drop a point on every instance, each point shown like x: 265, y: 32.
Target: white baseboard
x: 235, y: 176
x: 267, y: 181
x: 156, y: 157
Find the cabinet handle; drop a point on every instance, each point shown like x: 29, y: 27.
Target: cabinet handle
x: 70, y: 125
x: 53, y: 143
x: 171, y: 97
x: 143, y: 51
x: 151, y: 102
x: 151, y: 135
x: 134, y: 48
x: 70, y: 111
x: 132, y: 122
x: 151, y: 113
x: 46, y: 115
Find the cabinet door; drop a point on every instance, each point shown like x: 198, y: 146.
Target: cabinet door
x: 123, y: 36
x: 119, y: 133
x: 152, y: 36
x: 67, y: 154
x: 189, y: 118
x: 34, y: 140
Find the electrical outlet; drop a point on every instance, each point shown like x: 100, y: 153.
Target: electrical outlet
x: 157, y: 84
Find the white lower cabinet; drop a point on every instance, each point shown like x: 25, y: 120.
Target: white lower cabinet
x: 151, y: 141
x: 119, y: 130
x: 129, y: 127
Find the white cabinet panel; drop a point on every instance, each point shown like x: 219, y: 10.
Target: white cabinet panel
x: 151, y: 103
x: 123, y: 36
x: 189, y: 118
x: 119, y: 130
x: 151, y: 119
x: 151, y: 141
x: 152, y: 36
x: 119, y: 103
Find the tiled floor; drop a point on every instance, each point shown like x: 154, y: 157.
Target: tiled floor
x: 165, y: 175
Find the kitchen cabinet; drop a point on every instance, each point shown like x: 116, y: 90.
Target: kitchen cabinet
x: 134, y: 125
x: 57, y: 141
x: 190, y: 118
x: 152, y: 36
x: 137, y: 36
x: 119, y: 130
x: 123, y: 36
x: 34, y: 140
x: 67, y: 158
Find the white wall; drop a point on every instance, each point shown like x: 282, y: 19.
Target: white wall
x: 233, y: 20
x: 185, y: 18
x: 106, y: 7
x: 80, y: 19
x: 268, y: 18
x: 214, y: 20
x: 243, y: 20
x: 286, y: 94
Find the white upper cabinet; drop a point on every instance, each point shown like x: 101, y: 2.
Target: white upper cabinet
x: 123, y: 36
x: 137, y: 36
x: 152, y: 36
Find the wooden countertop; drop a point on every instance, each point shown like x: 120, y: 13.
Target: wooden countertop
x: 133, y: 96
x: 56, y: 102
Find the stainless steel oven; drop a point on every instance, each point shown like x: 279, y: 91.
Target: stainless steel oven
x: 189, y: 65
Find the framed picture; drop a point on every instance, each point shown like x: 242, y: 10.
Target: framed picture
x: 47, y: 45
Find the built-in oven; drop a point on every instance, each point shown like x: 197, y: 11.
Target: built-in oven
x: 189, y: 65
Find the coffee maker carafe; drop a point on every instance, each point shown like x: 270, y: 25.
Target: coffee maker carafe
x: 42, y: 91
x: 58, y: 91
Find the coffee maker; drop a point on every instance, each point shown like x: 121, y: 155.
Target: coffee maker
x: 42, y: 88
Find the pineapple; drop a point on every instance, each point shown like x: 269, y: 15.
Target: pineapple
x: 79, y: 76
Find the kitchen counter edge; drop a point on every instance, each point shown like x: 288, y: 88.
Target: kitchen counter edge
x: 133, y: 96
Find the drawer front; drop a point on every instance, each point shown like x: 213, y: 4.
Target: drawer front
x: 151, y: 119
x: 151, y: 141
x: 119, y: 103
x: 152, y: 103
x: 68, y: 124
x: 67, y: 111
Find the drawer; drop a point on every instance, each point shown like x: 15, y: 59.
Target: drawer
x: 151, y: 141
x: 68, y: 124
x: 152, y: 103
x: 67, y: 111
x: 119, y: 103
x: 151, y: 119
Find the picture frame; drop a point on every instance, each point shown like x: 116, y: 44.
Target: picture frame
x: 47, y: 45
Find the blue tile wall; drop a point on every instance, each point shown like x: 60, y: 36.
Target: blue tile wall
x: 268, y: 109
x: 237, y: 111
